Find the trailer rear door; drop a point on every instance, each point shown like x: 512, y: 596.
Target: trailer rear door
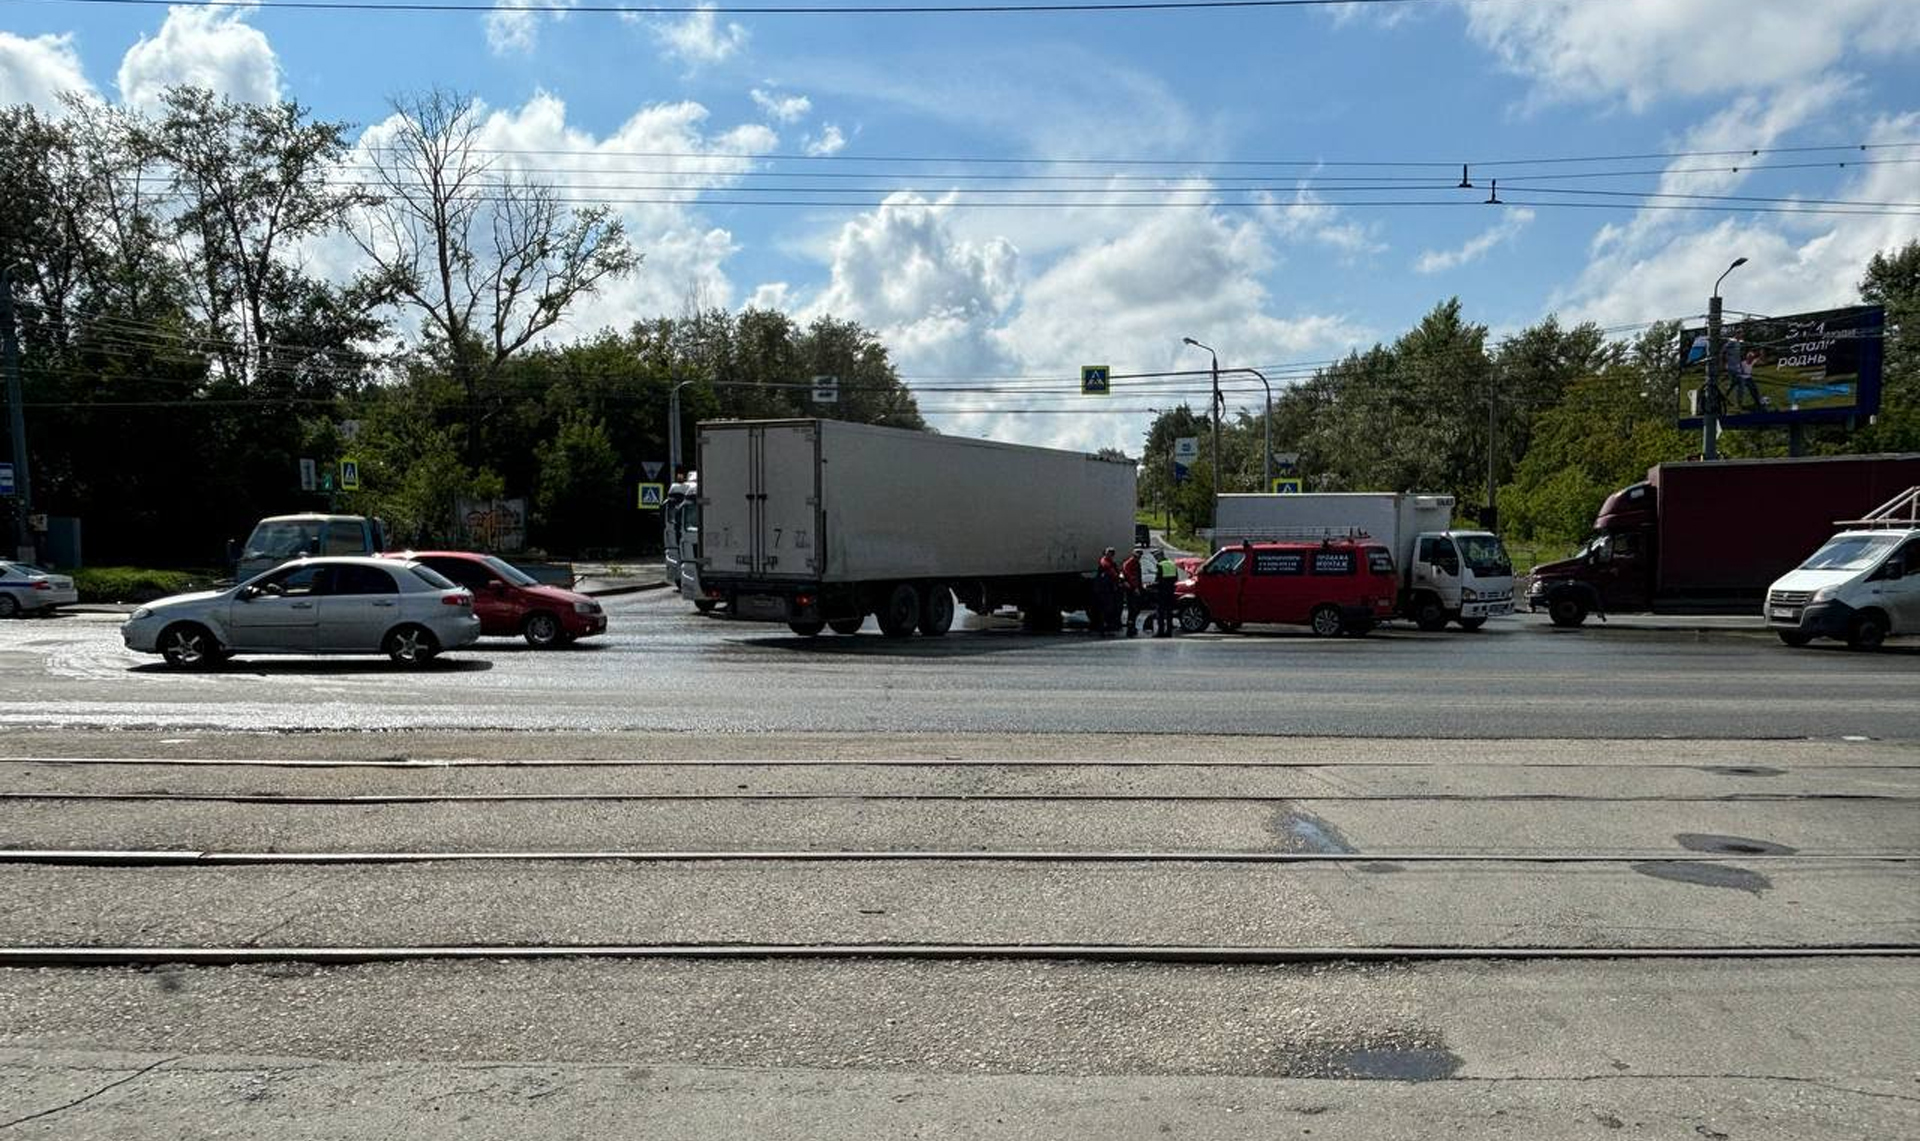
x: 788, y: 464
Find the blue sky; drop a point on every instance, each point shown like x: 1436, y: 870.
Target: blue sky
x: 959, y: 289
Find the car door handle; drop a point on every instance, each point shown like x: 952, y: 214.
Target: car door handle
x: 302, y: 606
x: 383, y: 602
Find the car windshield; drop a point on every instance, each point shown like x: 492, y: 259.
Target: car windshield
x: 282, y: 539
x: 511, y: 573
x: 1851, y: 552
x: 1484, y: 554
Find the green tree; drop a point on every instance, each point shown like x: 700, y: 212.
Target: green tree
x: 580, y: 486
x: 1893, y: 280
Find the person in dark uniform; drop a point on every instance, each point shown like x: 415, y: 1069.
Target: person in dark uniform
x: 1163, y: 593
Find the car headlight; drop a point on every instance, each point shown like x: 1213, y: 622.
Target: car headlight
x: 586, y: 608
x: 1824, y: 594
x: 141, y: 612
x: 1468, y: 594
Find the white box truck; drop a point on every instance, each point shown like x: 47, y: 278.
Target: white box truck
x: 820, y: 523
x: 1445, y: 575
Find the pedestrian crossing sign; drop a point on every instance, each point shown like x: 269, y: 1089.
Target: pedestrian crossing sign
x: 1287, y: 485
x: 1096, y: 380
x: 653, y: 496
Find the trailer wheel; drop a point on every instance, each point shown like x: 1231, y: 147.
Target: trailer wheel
x: 1866, y: 631
x: 900, y: 613
x: 1794, y: 638
x: 1428, y: 614
x: 1193, y: 616
x: 847, y: 625
x: 936, y: 611
x: 1566, y: 610
x: 807, y: 627
x: 1472, y: 623
x: 1326, y: 621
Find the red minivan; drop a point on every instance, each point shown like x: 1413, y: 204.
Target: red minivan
x: 1334, y: 586
x: 511, y: 602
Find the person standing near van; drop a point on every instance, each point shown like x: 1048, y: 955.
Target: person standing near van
x: 1106, y: 595
x: 1149, y: 588
x: 1130, y: 580
x: 1163, y: 582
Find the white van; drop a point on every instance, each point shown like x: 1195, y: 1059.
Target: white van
x: 1862, y: 587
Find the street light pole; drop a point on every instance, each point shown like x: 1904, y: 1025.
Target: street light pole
x: 1710, y: 399
x: 1215, y: 524
x: 17, y: 415
x: 1266, y: 432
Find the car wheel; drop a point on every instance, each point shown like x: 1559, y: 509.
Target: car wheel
x: 704, y: 605
x: 542, y: 630
x: 1193, y: 616
x: 1472, y: 623
x: 9, y: 605
x: 936, y: 612
x: 807, y: 627
x: 1429, y: 615
x: 847, y: 625
x: 190, y: 646
x: 1866, y: 632
x: 1566, y: 610
x: 1794, y: 637
x: 1326, y: 621
x: 901, y: 611
x: 411, y: 646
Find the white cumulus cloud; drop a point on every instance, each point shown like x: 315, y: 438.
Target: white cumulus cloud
x: 782, y: 108
x: 516, y: 31
x: 1641, y: 51
x: 214, y: 48
x: 37, y: 71
x: 700, y: 39
x: 830, y: 141
x: 1439, y: 261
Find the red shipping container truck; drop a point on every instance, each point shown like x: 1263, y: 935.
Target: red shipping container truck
x: 1709, y: 536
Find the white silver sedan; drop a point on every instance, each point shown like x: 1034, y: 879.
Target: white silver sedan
x: 26, y: 589
x: 312, y: 606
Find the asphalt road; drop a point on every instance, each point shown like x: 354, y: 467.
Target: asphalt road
x: 662, y: 667
x: 699, y: 787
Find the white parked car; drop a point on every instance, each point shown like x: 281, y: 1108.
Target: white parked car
x: 1862, y: 587
x: 313, y: 606
x: 26, y: 589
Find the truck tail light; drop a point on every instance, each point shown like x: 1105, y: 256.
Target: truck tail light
x: 803, y: 599
x: 456, y: 598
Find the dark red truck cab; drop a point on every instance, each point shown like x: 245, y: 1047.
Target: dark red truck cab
x: 1705, y: 537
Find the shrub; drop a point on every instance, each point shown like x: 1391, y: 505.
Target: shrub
x: 137, y: 584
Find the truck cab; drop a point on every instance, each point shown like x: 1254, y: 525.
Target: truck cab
x: 279, y: 538
x: 680, y: 540
x: 1460, y: 576
x: 1613, y: 571
x: 1861, y: 587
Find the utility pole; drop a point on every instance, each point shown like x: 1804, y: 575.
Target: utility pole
x: 673, y: 430
x: 1710, y: 399
x: 1217, y: 402
x: 1492, y: 520
x: 17, y: 414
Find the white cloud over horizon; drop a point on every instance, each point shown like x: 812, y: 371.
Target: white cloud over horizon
x: 214, y: 48
x: 39, y: 70
x: 699, y: 39
x: 1512, y: 222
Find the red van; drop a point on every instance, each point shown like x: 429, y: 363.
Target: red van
x: 1334, y: 586
x: 510, y: 602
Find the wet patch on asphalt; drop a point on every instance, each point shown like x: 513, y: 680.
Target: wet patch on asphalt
x: 1374, y: 868
x: 1705, y: 875
x: 1731, y: 845
x: 1305, y: 832
x: 1742, y: 770
x: 1383, y: 1063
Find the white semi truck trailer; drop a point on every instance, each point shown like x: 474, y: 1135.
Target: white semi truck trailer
x: 1445, y: 575
x: 820, y: 523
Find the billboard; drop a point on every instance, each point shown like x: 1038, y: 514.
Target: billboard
x: 1806, y: 368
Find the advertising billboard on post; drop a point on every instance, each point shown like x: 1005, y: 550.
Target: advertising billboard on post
x: 1805, y: 368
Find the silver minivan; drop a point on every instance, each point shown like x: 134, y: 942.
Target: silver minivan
x: 278, y: 538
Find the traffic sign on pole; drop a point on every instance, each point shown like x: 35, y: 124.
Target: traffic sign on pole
x: 6, y: 480
x: 309, y: 474
x: 653, y: 496
x: 826, y: 390
x: 652, y: 468
x: 349, y: 475
x: 1186, y: 449
x: 1096, y: 380
x: 1287, y: 485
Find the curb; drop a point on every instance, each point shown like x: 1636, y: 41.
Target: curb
x: 611, y: 591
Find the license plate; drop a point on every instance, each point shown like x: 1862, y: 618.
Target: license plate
x: 763, y: 606
x: 1783, y: 612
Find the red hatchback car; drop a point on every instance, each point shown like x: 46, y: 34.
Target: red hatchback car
x: 510, y: 602
x: 1333, y: 586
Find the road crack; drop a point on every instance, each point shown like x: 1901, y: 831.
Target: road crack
x: 82, y: 1100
